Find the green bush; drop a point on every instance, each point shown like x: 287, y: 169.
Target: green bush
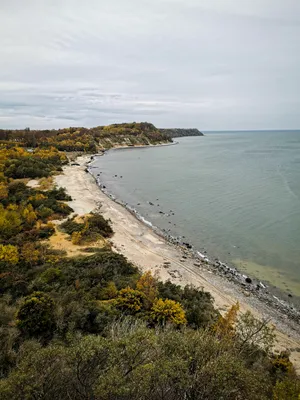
x: 35, y: 317
x: 26, y: 168
x: 51, y: 275
x: 70, y: 226
x: 59, y: 194
x: 98, y: 224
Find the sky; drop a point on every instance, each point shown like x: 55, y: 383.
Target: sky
x: 206, y: 64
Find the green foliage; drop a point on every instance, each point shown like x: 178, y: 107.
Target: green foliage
x: 288, y: 389
x: 281, y: 364
x: 254, y: 334
x: 64, y: 326
x: 133, y: 362
x: 93, y: 228
x: 198, y: 304
x: 84, y: 139
x: 35, y: 317
x: 98, y: 224
x: 51, y: 275
x: 59, y: 194
x: 26, y: 168
x: 70, y: 226
x: 8, y: 336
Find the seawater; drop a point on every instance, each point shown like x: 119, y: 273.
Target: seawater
x: 234, y: 194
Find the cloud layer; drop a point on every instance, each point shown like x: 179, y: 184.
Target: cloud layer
x: 210, y: 64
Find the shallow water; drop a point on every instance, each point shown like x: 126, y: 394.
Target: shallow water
x: 234, y: 194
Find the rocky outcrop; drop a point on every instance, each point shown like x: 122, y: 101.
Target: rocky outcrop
x: 177, y: 132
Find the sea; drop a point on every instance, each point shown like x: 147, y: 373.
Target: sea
x: 234, y: 195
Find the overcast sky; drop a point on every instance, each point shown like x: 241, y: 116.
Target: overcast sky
x: 210, y: 64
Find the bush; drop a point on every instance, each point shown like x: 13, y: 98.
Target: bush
x: 198, y: 304
x: 93, y: 227
x: 70, y: 226
x: 59, y: 194
x: 130, y: 301
x: 167, y: 311
x: 51, y: 275
x: 98, y: 224
x: 26, y: 168
x: 35, y: 317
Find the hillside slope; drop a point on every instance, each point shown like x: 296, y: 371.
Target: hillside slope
x: 176, y: 132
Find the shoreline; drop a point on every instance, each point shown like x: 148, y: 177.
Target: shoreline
x: 262, y: 289
x: 149, y: 250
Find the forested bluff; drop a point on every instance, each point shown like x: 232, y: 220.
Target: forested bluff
x: 91, y: 326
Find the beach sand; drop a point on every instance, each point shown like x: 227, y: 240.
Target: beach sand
x: 148, y: 251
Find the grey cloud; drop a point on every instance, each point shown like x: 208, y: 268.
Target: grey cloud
x: 211, y: 64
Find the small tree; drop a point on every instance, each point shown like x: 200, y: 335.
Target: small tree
x: 147, y: 284
x: 225, y: 326
x: 167, y: 311
x: 35, y: 317
x: 130, y: 300
x: 254, y: 333
x: 9, y: 254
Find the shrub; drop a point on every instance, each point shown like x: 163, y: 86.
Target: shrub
x: 129, y: 300
x: 35, y: 317
x: 147, y: 284
x: 51, y: 275
x: 9, y: 255
x: 59, y: 194
x: 70, y: 226
x: 167, y: 311
x: 98, y: 224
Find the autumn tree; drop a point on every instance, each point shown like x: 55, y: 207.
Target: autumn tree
x: 225, y: 326
x: 30, y: 253
x: 147, y: 284
x: 3, y: 191
x: 130, y: 300
x: 9, y: 254
x: 167, y: 311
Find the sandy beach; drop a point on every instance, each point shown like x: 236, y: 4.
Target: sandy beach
x: 148, y: 251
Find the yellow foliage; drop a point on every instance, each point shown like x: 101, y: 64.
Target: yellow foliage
x: 12, y: 207
x: 30, y: 253
x: 3, y: 191
x: 76, y: 237
x: 129, y: 300
x: 110, y: 291
x: 168, y: 311
x: 147, y: 284
x: 282, y: 363
x: 29, y: 215
x: 46, y: 183
x: 38, y: 196
x: 9, y: 254
x: 225, y: 325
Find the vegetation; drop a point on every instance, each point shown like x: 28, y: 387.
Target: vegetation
x: 84, y: 139
x: 92, y: 228
x: 94, y: 327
